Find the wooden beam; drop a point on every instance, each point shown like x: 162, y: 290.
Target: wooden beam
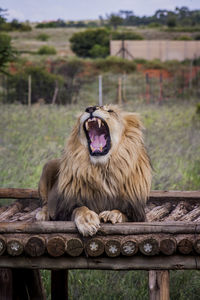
x: 17, y: 193
x: 159, y: 262
x: 128, y: 228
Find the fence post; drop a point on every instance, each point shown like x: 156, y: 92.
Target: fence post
x: 160, y: 98
x: 119, y: 91
x: 124, y: 88
x: 55, y: 93
x: 147, y: 88
x: 29, y: 90
x: 100, y: 91
x: 159, y: 285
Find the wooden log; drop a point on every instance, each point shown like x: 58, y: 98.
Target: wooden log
x: 6, y: 291
x: 179, y: 211
x: 11, y: 210
x: 15, y: 247
x: 56, y: 246
x: 113, y: 247
x: 149, y: 246
x: 168, y: 246
x: 135, y: 262
x: 196, y: 246
x: 74, y: 246
x: 15, y: 193
x: 190, y: 216
x: 185, y: 246
x: 3, y: 208
x: 129, y: 246
x: 158, y: 212
x: 35, y: 246
x: 159, y: 285
x: 105, y: 229
x: 2, y: 245
x: 94, y: 247
x: 59, y: 285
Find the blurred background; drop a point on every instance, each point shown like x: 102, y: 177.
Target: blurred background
x: 58, y: 58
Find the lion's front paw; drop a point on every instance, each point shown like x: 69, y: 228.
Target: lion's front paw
x: 42, y: 215
x: 87, y: 221
x: 113, y: 216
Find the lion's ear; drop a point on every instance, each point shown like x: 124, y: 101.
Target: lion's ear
x: 133, y: 120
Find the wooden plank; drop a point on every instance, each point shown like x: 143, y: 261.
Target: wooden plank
x: 161, y: 262
x: 128, y: 228
x: 17, y: 193
x: 59, y: 284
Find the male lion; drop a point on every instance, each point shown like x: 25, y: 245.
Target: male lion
x: 103, y: 174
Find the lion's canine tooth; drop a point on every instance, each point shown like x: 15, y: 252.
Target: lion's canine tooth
x: 99, y: 122
x: 86, y: 125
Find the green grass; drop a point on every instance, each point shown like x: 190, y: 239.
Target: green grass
x: 30, y: 137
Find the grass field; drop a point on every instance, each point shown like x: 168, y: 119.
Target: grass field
x: 30, y: 137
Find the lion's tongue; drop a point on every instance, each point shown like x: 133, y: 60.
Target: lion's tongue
x: 97, y: 142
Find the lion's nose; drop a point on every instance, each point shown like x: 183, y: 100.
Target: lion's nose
x: 90, y: 109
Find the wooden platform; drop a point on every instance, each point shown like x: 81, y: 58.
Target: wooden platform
x: 168, y: 240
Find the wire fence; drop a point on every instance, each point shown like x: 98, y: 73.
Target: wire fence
x: 150, y: 87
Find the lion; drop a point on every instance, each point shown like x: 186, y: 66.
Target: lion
x: 104, y: 173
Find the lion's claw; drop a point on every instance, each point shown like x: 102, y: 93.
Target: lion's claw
x: 113, y: 216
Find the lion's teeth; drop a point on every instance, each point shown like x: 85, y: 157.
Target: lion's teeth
x: 99, y: 123
x: 86, y: 125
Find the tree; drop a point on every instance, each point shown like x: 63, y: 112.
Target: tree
x: 7, y: 53
x: 2, y: 16
x: 115, y: 20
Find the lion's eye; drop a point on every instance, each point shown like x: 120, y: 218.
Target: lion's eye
x: 110, y: 111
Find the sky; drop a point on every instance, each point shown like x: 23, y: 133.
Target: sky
x: 43, y: 10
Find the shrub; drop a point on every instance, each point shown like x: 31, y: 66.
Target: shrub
x: 126, y: 35
x: 47, y: 50
x: 7, y: 53
x: 184, y: 38
x: 83, y: 42
x: 98, y: 51
x: 42, y: 85
x: 43, y: 37
x: 115, y: 64
x: 197, y: 37
x: 198, y: 109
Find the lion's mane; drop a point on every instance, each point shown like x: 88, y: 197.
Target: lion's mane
x: 121, y: 182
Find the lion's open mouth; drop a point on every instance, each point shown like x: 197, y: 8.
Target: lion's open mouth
x: 98, y: 136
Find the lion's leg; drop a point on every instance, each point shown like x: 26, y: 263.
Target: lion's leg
x: 47, y: 180
x: 86, y: 220
x: 113, y: 216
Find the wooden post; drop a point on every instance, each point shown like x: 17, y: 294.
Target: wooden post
x: 95, y: 247
x: 29, y: 90
x: 159, y: 285
x: 59, y: 284
x: 27, y: 284
x: 147, y: 88
x: 74, y: 246
x: 56, y: 246
x: 119, y: 91
x: 124, y: 88
x: 55, y: 93
x: 6, y: 284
